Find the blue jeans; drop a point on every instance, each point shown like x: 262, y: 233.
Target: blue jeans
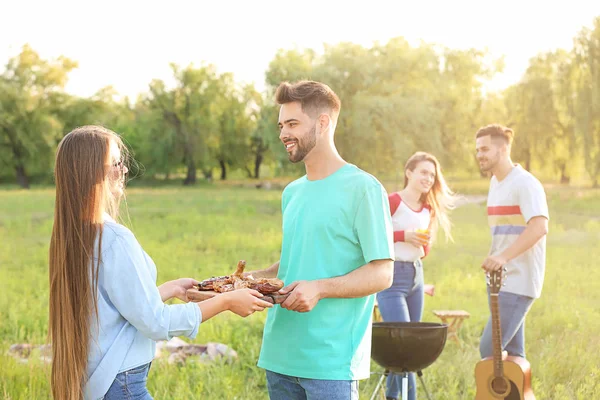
x: 130, y: 385
x: 513, y: 309
x: 284, y: 387
x: 403, y: 302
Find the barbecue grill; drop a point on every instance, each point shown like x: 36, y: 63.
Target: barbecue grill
x: 403, y: 347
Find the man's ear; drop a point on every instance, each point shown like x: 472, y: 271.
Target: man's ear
x: 502, y: 146
x: 324, y: 122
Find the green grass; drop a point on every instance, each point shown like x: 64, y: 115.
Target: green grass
x: 199, y: 232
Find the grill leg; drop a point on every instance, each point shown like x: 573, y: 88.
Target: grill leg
x: 404, y: 386
x: 420, y: 374
x: 378, y: 385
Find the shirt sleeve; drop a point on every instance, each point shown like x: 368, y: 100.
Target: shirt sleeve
x: 373, y: 225
x: 532, y: 200
x: 284, y: 200
x: 132, y: 290
x: 399, y: 236
x: 394, y: 200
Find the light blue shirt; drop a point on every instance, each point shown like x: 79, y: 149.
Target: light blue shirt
x: 131, y: 313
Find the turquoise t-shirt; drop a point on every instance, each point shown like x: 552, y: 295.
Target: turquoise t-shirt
x: 331, y: 227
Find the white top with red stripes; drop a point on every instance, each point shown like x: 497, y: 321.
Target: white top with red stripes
x: 405, y: 219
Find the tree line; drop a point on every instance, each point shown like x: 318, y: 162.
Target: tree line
x: 396, y: 99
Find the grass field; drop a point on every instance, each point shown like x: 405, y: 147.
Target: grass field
x: 204, y: 231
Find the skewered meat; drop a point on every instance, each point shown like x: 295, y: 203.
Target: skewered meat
x: 238, y: 280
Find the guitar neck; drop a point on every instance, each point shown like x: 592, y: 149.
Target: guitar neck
x: 496, y: 335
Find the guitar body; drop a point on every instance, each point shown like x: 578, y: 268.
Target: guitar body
x: 501, y: 377
x: 517, y: 373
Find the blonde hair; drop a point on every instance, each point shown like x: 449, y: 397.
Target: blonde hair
x: 82, y: 176
x: 440, y: 198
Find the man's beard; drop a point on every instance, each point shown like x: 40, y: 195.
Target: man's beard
x: 304, y: 146
x: 489, y: 165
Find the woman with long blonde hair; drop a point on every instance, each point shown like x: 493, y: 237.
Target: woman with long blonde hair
x: 418, y: 211
x: 106, y: 311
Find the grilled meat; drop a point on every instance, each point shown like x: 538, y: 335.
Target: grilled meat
x: 238, y: 280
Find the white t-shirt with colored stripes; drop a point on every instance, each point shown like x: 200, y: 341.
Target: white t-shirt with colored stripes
x: 405, y: 219
x: 511, y: 204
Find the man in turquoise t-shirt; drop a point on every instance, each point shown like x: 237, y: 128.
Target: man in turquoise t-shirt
x: 337, y: 251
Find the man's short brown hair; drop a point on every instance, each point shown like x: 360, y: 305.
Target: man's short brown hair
x: 314, y: 97
x: 496, y: 131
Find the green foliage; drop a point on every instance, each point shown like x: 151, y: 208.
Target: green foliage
x: 587, y: 113
x: 555, y: 109
x: 30, y: 88
x: 397, y: 98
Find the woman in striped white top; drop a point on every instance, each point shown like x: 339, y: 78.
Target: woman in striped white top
x: 418, y: 210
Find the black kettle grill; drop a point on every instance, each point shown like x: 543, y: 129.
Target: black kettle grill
x: 403, y: 347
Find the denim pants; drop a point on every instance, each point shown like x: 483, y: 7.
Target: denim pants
x: 284, y: 387
x: 403, y: 302
x: 130, y: 385
x: 513, y: 309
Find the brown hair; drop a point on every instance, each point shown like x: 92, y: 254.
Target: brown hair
x: 440, y: 198
x: 82, y: 176
x: 496, y: 131
x: 314, y: 97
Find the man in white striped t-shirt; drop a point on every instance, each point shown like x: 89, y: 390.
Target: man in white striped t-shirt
x: 518, y: 219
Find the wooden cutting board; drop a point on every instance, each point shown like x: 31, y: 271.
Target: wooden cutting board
x: 196, y: 295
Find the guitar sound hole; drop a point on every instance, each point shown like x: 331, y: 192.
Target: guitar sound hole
x: 499, y: 385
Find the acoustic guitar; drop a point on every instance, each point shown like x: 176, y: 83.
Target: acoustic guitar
x: 501, y: 376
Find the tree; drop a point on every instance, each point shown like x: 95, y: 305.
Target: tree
x: 587, y: 113
x: 189, y: 111
x: 396, y: 98
x: 290, y: 65
x: 237, y: 120
x: 265, y: 137
x: 30, y: 87
x: 533, y: 114
x: 566, y: 145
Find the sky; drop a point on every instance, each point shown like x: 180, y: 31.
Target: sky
x: 128, y: 43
